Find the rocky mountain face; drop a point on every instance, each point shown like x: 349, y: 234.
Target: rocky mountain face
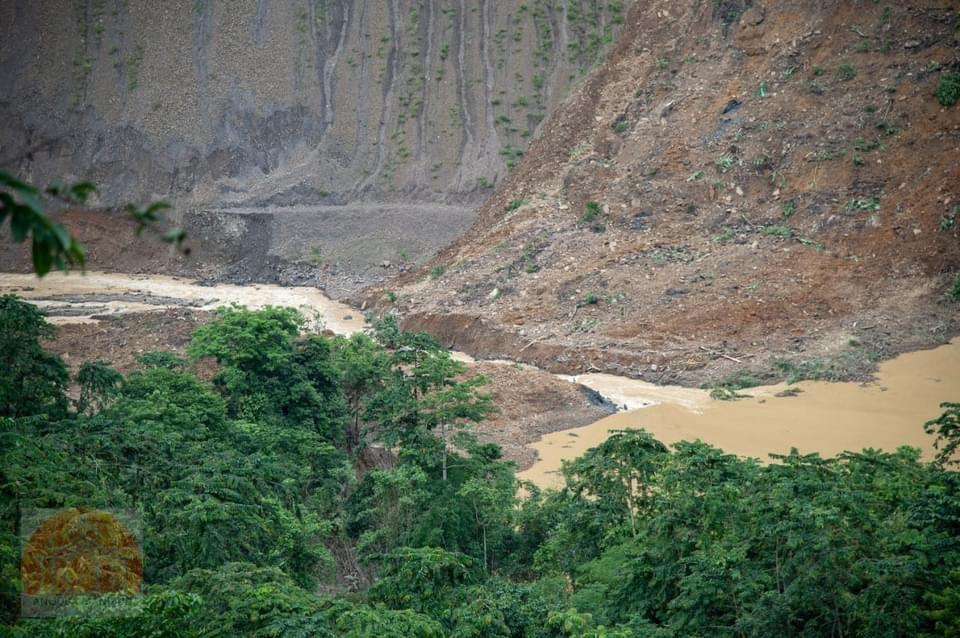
x: 288, y: 102
x: 743, y: 187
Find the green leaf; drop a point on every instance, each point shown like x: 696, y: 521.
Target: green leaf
x: 9, y: 180
x: 62, y: 235
x: 174, y: 236
x: 81, y: 191
x: 42, y: 256
x: 20, y: 224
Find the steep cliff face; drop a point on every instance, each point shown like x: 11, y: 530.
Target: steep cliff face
x: 282, y: 102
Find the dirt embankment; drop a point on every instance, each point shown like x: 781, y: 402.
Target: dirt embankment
x: 121, y: 339
x: 759, y: 181
x: 219, y: 247
x: 340, y: 249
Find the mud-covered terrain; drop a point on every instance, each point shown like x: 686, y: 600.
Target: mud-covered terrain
x: 340, y: 249
x: 737, y: 186
x: 357, y: 137
x: 745, y: 191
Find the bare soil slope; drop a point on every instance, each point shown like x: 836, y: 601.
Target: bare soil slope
x: 772, y: 179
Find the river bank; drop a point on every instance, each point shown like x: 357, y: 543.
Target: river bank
x: 814, y: 416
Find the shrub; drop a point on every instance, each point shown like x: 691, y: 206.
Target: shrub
x: 166, y: 360
x: 872, y: 204
x: 887, y: 128
x: 846, y: 72
x: 515, y: 204
x: 725, y: 162
x: 592, y: 211
x: 437, y: 271
x: 728, y: 389
x: 948, y: 90
x: 948, y: 221
x: 778, y: 230
x: 591, y: 217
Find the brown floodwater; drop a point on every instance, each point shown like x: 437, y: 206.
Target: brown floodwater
x: 825, y: 417
x: 107, y: 294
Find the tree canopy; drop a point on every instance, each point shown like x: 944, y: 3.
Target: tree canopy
x: 260, y: 518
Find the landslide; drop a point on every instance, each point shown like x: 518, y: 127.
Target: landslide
x: 773, y: 181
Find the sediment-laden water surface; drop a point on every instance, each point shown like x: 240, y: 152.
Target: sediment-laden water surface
x: 72, y: 298
x: 820, y: 417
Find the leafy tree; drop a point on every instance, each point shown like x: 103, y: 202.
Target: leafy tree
x: 99, y: 383
x: 220, y: 491
x: 384, y: 512
x: 363, y: 620
x: 806, y: 546
x: 943, y: 608
x: 159, y: 614
x: 268, y: 373
x: 947, y: 429
x: 243, y: 487
x: 575, y: 624
x: 257, y: 342
x: 619, y: 473
x: 423, y: 395
x: 488, y: 489
x: 32, y: 381
x: 452, y: 405
x: 523, y: 606
x: 423, y: 579
x: 363, y: 366
x: 240, y: 599
x: 161, y: 360
x: 479, y: 616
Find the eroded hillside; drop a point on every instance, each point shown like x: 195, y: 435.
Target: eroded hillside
x: 265, y: 103
x: 739, y: 183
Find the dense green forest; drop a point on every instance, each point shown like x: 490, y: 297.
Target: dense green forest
x: 253, y: 481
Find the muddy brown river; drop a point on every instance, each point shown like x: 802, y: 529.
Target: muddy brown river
x: 114, y: 293
x: 824, y: 417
